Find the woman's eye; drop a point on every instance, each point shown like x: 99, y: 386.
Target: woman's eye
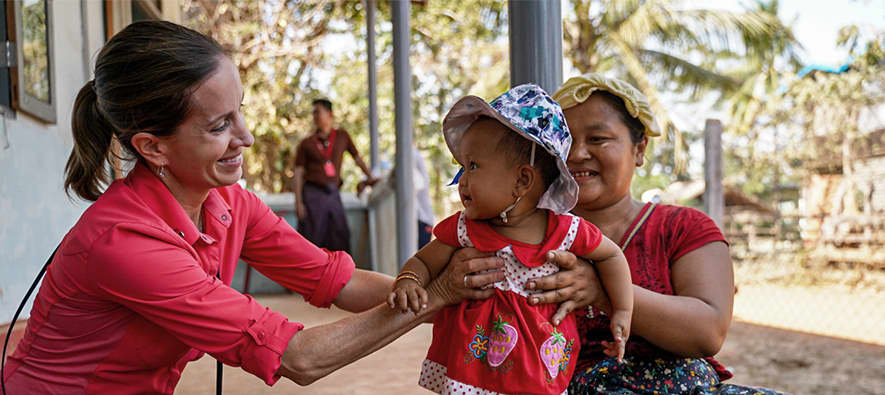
x: 222, y: 127
x: 472, y: 165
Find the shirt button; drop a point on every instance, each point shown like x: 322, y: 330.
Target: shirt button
x: 261, y: 335
x: 180, y: 233
x: 224, y: 217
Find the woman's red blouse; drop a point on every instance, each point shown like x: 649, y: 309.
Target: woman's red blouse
x: 669, y: 233
x: 132, y: 295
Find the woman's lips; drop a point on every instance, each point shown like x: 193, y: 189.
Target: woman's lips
x: 235, y: 160
x: 584, y: 174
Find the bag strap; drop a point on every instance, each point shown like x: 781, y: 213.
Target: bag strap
x: 15, y: 318
x: 638, y: 225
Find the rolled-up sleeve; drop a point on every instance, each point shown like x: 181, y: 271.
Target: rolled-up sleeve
x: 279, y: 252
x: 162, y: 282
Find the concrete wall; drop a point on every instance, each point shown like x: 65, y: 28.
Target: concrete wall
x: 283, y: 205
x: 35, y: 213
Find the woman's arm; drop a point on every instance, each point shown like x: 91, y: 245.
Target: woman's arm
x: 315, y: 352
x: 692, y: 323
x: 364, y: 290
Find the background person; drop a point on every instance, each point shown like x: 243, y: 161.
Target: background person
x: 423, y: 205
x: 321, y: 215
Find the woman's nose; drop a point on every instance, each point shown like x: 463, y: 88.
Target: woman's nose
x: 243, y: 134
x: 579, y: 152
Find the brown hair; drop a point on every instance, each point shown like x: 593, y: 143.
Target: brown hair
x: 518, y: 150
x: 323, y: 102
x: 144, y: 78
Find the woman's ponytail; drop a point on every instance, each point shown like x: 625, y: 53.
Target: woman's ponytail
x: 86, y: 173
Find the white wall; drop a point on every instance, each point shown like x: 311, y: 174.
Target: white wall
x: 35, y: 213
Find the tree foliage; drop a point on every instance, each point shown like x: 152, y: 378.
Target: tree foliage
x: 662, y: 45
x: 290, y: 52
x: 816, y: 119
x: 457, y: 48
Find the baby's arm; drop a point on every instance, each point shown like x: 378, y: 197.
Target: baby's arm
x: 614, y: 273
x: 408, y: 289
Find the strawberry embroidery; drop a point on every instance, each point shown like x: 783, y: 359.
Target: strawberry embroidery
x: 503, y: 340
x: 555, y: 353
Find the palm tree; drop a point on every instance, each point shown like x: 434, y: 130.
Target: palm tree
x: 664, y: 44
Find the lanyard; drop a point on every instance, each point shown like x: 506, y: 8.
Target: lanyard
x: 327, y: 150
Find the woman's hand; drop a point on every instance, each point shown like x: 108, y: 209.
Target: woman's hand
x: 575, y: 286
x: 466, y: 276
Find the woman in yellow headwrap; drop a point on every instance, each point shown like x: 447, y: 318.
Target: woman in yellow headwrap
x: 679, y: 260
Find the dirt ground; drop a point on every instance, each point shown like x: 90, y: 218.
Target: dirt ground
x: 785, y: 360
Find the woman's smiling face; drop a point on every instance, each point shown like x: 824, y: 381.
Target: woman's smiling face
x: 603, y: 156
x: 206, y: 150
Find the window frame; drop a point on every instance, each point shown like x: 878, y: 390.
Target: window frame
x: 21, y: 99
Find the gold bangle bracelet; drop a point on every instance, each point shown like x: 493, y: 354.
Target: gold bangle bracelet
x: 409, y: 272
x: 408, y: 276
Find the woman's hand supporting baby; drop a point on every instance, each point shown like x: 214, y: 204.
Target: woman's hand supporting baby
x: 430, y: 270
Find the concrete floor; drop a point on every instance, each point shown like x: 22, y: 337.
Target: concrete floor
x: 391, y: 370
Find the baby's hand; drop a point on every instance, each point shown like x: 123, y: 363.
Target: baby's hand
x: 407, y: 295
x: 620, y: 327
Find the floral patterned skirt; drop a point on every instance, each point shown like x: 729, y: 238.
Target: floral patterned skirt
x: 656, y: 376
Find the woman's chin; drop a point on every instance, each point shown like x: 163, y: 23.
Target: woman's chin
x: 227, y: 179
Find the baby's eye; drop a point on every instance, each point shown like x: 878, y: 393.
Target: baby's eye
x: 472, y: 165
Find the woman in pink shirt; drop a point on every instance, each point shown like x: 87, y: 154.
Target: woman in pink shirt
x: 140, y: 285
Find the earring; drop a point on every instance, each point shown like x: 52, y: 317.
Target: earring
x: 503, y: 214
x: 161, y: 172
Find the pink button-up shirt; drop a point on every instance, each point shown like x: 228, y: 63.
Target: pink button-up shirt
x: 132, y: 295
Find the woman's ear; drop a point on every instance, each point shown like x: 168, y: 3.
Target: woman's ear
x: 639, y: 151
x: 525, y: 180
x: 151, y: 148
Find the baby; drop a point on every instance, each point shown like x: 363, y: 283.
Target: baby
x: 516, y: 192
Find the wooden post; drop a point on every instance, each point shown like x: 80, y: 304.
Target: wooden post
x: 714, y: 198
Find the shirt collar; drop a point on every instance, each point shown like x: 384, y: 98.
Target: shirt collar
x: 160, y: 200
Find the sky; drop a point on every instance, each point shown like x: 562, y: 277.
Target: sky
x: 816, y: 23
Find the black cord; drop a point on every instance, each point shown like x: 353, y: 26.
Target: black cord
x: 15, y: 318
x: 218, y: 372
x: 218, y: 365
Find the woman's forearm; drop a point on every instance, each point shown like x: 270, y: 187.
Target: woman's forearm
x: 364, y: 290
x: 315, y: 352
x: 682, y: 325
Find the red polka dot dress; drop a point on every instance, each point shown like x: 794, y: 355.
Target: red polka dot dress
x: 502, y: 344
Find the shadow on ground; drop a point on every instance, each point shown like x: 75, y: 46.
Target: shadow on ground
x: 760, y: 356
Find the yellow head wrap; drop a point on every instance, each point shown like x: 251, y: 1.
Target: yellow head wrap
x: 577, y: 89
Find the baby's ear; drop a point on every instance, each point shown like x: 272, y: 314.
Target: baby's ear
x: 526, y: 179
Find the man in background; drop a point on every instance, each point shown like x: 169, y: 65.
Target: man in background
x: 321, y: 216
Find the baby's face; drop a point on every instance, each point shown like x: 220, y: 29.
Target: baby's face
x: 487, y: 185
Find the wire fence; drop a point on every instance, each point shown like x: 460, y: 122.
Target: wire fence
x: 818, y: 275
